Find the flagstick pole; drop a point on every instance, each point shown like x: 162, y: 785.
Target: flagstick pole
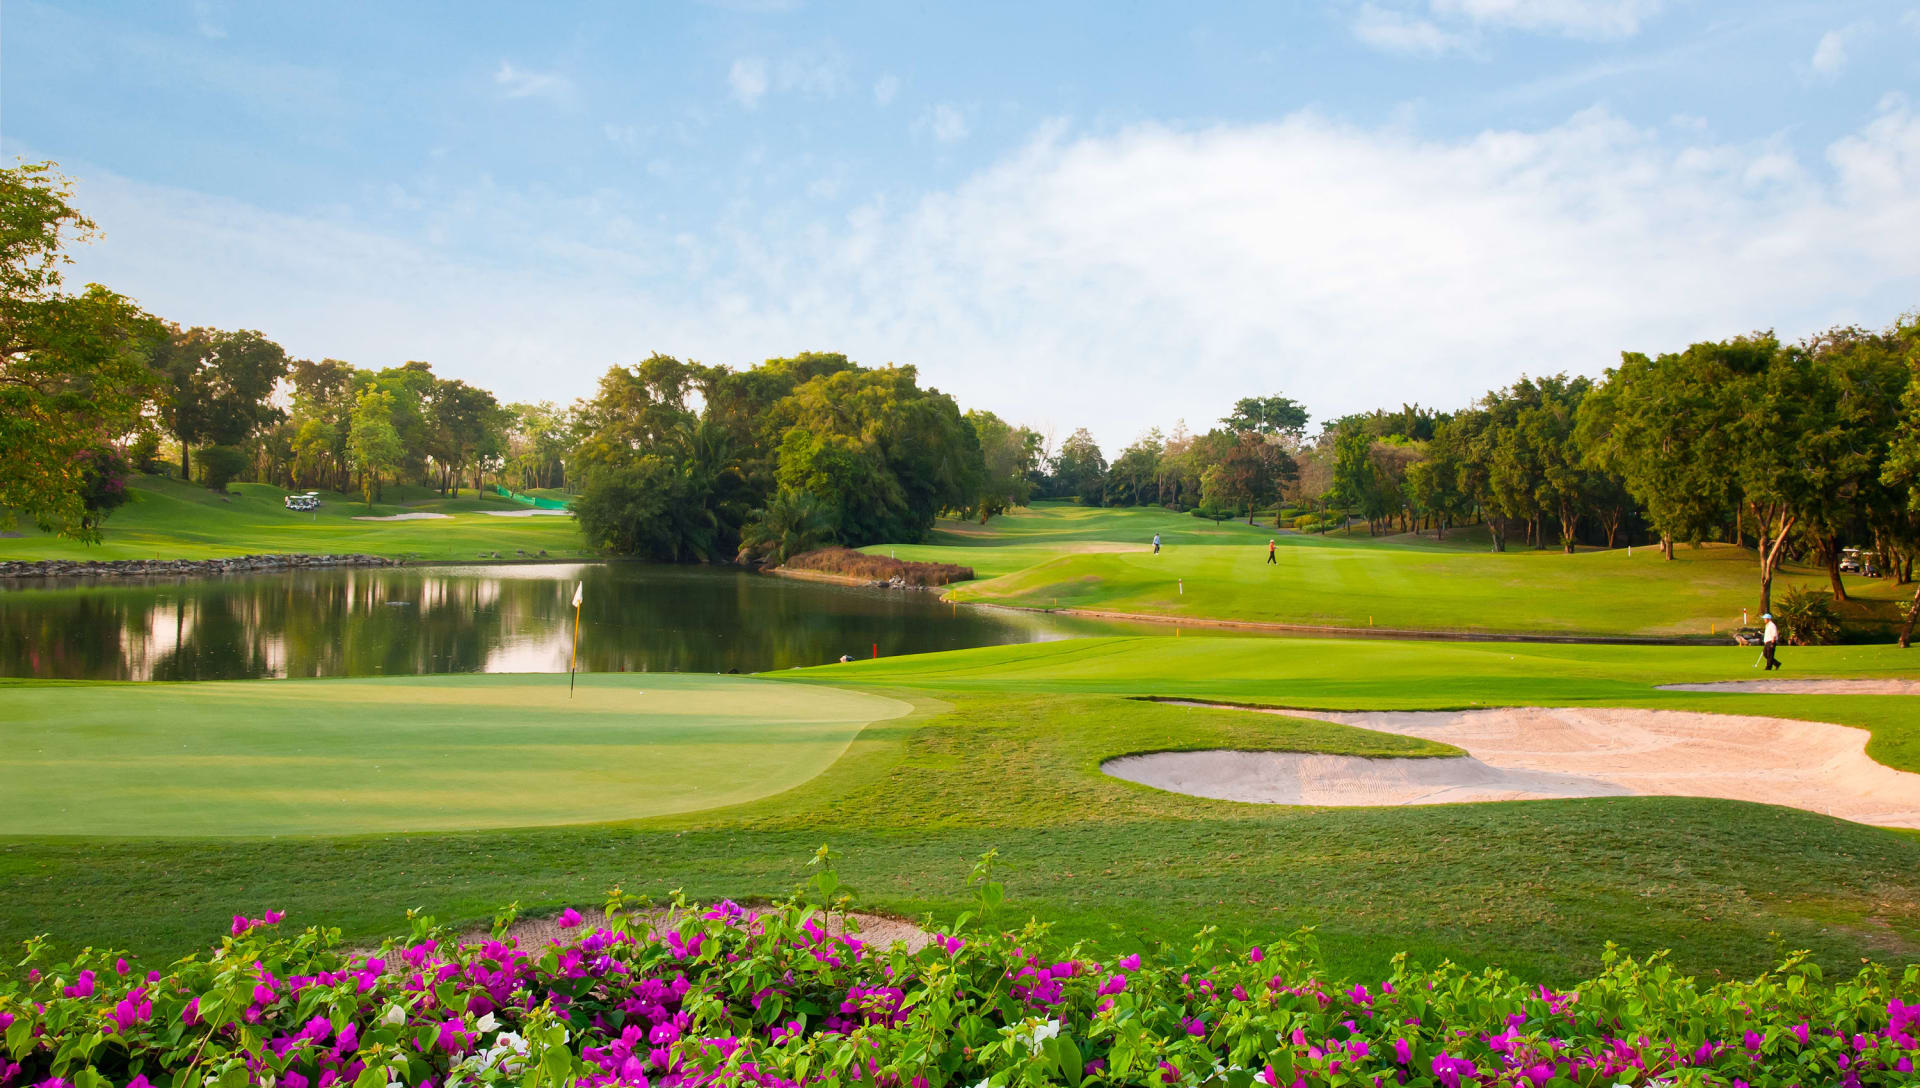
x: 575, y: 659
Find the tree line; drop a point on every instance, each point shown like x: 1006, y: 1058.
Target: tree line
x: 1801, y: 450
x: 94, y: 389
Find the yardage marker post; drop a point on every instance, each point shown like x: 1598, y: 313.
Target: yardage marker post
x: 575, y: 660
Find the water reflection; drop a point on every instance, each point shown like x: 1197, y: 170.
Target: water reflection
x: 480, y: 619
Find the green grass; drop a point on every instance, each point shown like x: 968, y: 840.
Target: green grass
x: 1056, y: 555
x: 1002, y: 752
x: 302, y: 757
x: 171, y: 519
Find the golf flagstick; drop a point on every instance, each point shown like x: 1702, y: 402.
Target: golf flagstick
x: 575, y: 660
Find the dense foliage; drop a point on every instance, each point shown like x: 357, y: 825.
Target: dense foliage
x: 1801, y: 450
x: 787, y: 997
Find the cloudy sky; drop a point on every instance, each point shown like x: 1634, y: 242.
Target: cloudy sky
x: 1105, y: 214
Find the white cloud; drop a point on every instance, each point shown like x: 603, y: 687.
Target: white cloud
x: 946, y: 124
x: 523, y: 83
x: 1830, y: 56
x: 748, y: 79
x: 1398, y: 32
x: 1120, y: 280
x: 884, y: 89
x: 1574, y: 18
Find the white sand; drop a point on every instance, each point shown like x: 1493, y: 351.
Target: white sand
x: 525, y: 513
x: 420, y: 516
x: 1532, y: 753
x: 1805, y: 687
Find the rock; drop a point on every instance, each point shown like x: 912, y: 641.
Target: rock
x: 146, y: 568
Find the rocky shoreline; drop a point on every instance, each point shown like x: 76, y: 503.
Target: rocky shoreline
x: 137, y: 568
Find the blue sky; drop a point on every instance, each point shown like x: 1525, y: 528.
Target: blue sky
x: 1113, y: 215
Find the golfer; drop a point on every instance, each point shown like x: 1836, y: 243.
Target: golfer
x: 1270, y: 557
x: 1768, y: 640
x: 1156, y: 543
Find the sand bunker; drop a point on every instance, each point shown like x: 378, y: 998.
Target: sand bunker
x: 1805, y: 687
x: 1534, y: 754
x: 526, y: 513
x: 420, y: 516
x: 1303, y: 778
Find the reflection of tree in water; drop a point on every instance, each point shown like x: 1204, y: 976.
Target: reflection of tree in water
x: 517, y: 619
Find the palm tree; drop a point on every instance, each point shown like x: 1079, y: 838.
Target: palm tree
x: 792, y: 522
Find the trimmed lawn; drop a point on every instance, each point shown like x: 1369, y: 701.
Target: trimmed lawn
x: 172, y: 519
x: 1002, y: 752
x: 303, y: 757
x: 1056, y: 555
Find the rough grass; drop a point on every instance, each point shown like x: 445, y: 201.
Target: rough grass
x: 172, y: 519
x: 1003, y: 752
x: 853, y: 564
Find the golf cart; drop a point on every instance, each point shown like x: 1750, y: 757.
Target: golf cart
x: 308, y: 501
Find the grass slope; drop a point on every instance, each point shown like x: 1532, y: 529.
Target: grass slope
x: 172, y: 519
x: 1055, y: 555
x: 1003, y: 752
x: 303, y: 757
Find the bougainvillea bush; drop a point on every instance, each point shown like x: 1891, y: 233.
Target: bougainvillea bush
x: 733, y: 996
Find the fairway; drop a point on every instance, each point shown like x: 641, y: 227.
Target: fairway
x: 1057, y: 555
x: 172, y: 519
x: 406, y: 754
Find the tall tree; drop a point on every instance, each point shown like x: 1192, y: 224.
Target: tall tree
x: 1276, y: 416
x: 1079, y: 469
x: 1009, y: 455
x: 374, y: 446
x: 73, y: 368
x: 218, y: 387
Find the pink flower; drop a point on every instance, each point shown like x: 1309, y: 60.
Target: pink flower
x: 568, y: 919
x: 1130, y: 963
x: 1254, y: 955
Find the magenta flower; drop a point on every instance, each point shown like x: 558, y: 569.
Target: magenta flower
x: 1130, y: 963
x: 1254, y: 955
x: 1113, y: 985
x: 568, y: 919
x: 1402, y: 1052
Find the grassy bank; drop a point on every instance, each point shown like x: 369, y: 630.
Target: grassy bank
x: 1055, y: 555
x: 1003, y: 752
x: 171, y: 519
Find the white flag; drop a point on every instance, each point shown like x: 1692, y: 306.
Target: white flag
x: 576, y: 594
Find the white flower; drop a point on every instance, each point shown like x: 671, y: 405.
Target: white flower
x: 486, y: 1023
x: 394, y: 1016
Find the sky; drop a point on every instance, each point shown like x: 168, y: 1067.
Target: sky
x: 1113, y: 214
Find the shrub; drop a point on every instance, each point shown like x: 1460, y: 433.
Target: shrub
x: 879, y: 568
x: 1807, y: 617
x: 729, y: 996
x: 1214, y: 514
x: 218, y: 465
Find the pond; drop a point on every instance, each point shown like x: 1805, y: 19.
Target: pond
x: 412, y: 620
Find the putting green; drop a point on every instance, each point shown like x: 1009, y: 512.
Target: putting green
x: 407, y: 754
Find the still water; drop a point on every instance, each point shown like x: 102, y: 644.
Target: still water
x: 410, y: 620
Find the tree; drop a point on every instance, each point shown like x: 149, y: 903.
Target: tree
x: 1132, y: 479
x: 73, y: 368
x: 1009, y: 456
x: 1353, y: 477
x: 217, y: 387
x: 792, y: 522
x: 1251, y: 474
x: 1901, y: 471
x: 1079, y: 469
x: 373, y: 446
x: 1275, y: 416
x: 465, y: 425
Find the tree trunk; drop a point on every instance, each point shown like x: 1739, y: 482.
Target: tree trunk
x: 186, y: 471
x: 1773, y: 547
x: 1913, y: 610
x: 1666, y: 546
x: 1833, y: 572
x: 1497, y: 528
